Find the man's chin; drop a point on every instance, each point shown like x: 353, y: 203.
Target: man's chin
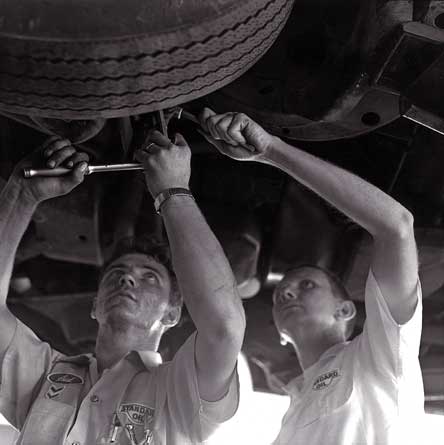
x: 119, y: 315
x: 289, y: 322
x: 289, y: 318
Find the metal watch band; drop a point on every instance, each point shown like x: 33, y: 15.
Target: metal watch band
x: 166, y: 194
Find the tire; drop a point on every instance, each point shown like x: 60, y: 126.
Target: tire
x: 132, y: 60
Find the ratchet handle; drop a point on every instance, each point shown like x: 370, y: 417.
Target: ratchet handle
x: 59, y: 171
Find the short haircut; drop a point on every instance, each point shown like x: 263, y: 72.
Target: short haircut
x: 339, y: 291
x: 152, y: 248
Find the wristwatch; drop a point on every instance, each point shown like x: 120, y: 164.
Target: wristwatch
x: 166, y: 194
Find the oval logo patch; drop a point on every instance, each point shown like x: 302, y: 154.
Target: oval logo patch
x: 64, y: 378
x: 325, y: 380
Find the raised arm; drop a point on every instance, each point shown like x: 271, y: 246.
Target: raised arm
x: 394, y: 256
x: 204, y: 274
x: 18, y: 200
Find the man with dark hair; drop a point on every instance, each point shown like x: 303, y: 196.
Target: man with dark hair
x: 151, y: 247
x: 346, y: 324
x: 368, y: 390
x: 123, y: 394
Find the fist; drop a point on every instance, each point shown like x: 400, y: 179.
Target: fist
x: 55, y: 152
x: 166, y: 164
x: 236, y: 135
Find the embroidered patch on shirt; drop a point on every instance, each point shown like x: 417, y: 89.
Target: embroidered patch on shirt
x: 64, y: 378
x: 325, y: 380
x: 54, y: 391
x: 136, y: 412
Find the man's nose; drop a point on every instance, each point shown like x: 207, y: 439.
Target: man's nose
x: 287, y: 295
x: 290, y: 295
x: 127, y: 280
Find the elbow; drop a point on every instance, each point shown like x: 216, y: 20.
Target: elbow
x: 223, y: 321
x: 226, y: 338
x: 233, y: 329
x: 233, y: 321
x: 402, y: 226
x: 240, y: 324
x: 234, y: 338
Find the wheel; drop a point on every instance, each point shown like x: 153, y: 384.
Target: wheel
x: 90, y: 59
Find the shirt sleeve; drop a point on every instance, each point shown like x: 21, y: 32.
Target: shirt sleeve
x: 198, y: 417
x: 385, y: 345
x: 27, y: 360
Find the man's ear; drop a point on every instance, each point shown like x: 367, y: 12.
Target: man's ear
x: 346, y: 310
x: 93, y: 309
x: 172, y: 316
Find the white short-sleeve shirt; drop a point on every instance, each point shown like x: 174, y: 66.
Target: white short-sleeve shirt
x: 366, y: 391
x: 58, y: 400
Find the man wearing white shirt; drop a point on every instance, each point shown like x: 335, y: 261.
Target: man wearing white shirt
x: 369, y: 390
x: 122, y: 394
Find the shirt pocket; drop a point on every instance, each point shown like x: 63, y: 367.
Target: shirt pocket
x: 47, y: 423
x: 320, y: 404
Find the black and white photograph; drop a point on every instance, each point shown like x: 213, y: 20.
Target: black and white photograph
x: 221, y: 222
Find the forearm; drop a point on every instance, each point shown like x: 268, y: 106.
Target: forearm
x: 362, y: 202
x: 204, y: 274
x: 16, y: 211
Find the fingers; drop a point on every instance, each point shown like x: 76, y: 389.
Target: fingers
x: 60, y: 156
x: 237, y: 126
x: 232, y: 151
x: 204, y: 116
x: 147, y: 154
x: 142, y: 156
x: 151, y: 149
x: 56, y: 151
x: 180, y: 141
x: 227, y: 126
x: 48, y: 142
x: 76, y: 158
x: 160, y: 149
x: 159, y: 139
x: 60, y: 151
x: 211, y: 122
x: 78, y: 174
x: 68, y: 182
x: 223, y: 127
x: 53, y: 144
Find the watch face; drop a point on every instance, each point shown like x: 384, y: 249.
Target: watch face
x: 161, y: 198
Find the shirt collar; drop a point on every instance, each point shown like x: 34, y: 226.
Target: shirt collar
x: 151, y: 359
x: 298, y: 382
x: 333, y: 351
x: 79, y: 360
